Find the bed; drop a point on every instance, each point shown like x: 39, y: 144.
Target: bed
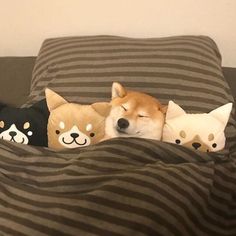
x: 122, y: 186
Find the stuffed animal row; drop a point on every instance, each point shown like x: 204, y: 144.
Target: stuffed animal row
x: 59, y: 124
x: 54, y: 122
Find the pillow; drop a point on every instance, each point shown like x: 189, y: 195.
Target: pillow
x: 186, y: 69
x: 72, y: 125
x: 203, y: 132
x: 25, y: 125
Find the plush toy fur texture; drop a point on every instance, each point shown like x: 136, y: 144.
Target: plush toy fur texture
x: 134, y: 114
x: 203, y: 132
x: 73, y: 125
x: 25, y: 125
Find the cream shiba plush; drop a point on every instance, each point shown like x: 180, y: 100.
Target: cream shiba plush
x: 203, y: 132
x: 73, y: 125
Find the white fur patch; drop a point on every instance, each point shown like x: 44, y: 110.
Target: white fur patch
x: 67, y: 140
x: 62, y: 125
x: 89, y: 127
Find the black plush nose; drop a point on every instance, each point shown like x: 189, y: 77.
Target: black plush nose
x: 196, y: 145
x: 74, y: 135
x: 13, y: 133
x: 123, y: 123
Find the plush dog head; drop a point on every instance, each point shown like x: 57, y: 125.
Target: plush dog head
x: 203, y: 132
x: 134, y: 114
x: 25, y: 125
x: 72, y: 125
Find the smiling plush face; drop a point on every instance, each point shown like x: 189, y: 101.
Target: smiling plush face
x: 203, y: 132
x: 134, y: 114
x: 25, y: 125
x: 72, y: 125
x: 21, y: 134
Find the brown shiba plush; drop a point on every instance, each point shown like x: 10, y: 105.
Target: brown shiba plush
x: 72, y: 125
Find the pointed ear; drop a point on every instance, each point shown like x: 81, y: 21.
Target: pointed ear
x: 117, y: 90
x: 174, y: 110
x: 53, y: 99
x: 102, y: 108
x: 222, y: 113
x: 41, y: 106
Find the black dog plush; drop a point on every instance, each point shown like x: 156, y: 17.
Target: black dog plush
x: 25, y: 125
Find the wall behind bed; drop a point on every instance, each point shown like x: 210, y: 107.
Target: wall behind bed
x: 25, y: 24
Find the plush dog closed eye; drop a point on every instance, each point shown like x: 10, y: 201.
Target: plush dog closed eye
x: 24, y: 125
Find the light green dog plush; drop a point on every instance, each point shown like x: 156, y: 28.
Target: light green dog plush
x: 203, y: 132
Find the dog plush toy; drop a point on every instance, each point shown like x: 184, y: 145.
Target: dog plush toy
x: 73, y: 125
x: 25, y: 125
x: 203, y: 132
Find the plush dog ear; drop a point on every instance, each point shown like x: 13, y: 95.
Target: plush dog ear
x: 53, y: 99
x: 41, y: 106
x: 174, y: 110
x: 102, y: 108
x: 117, y: 90
x: 222, y: 113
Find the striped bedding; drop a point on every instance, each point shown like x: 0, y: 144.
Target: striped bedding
x: 117, y: 187
x: 123, y: 186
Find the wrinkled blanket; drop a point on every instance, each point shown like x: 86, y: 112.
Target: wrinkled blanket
x: 117, y: 187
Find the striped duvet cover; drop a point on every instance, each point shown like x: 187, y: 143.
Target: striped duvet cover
x: 118, y: 187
